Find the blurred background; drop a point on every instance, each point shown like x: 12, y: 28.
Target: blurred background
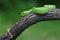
x: 10, y: 13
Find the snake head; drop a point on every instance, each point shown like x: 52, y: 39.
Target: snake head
x: 24, y: 13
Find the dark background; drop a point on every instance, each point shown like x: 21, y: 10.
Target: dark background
x: 10, y: 13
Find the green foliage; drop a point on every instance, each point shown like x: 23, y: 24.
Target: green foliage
x: 10, y: 13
